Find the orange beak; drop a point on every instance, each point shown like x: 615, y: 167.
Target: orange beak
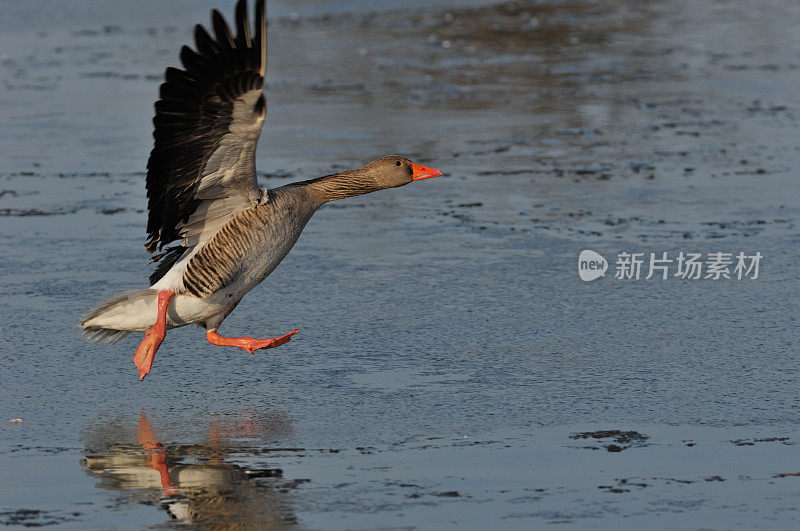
x: 423, y: 172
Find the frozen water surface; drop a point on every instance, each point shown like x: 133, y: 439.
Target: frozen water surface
x: 452, y: 370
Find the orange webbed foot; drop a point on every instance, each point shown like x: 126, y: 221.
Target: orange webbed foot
x: 145, y: 354
x: 248, y: 343
x: 143, y: 358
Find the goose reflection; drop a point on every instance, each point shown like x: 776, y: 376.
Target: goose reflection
x: 194, y: 483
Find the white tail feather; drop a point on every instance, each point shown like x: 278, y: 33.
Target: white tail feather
x: 104, y: 335
x: 113, y: 319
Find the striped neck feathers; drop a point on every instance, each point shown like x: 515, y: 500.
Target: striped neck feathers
x: 347, y: 184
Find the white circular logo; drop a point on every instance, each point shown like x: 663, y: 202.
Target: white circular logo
x: 591, y: 265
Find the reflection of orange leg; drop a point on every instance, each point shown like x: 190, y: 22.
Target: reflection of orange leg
x: 156, y: 454
x: 248, y: 343
x: 143, y: 359
x: 157, y: 460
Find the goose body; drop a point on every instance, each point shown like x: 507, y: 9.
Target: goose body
x: 207, y: 284
x: 226, y: 234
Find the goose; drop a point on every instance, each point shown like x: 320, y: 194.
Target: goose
x: 213, y: 233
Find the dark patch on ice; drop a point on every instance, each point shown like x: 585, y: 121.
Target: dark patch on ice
x: 623, y: 439
x: 615, y: 490
x: 36, y: 518
x: 277, y: 174
x: 264, y: 473
x: 24, y: 212
x: 752, y: 442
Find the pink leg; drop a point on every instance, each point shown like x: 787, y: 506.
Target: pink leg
x: 143, y: 359
x: 248, y: 343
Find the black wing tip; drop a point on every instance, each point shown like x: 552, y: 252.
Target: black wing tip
x: 221, y: 30
x: 243, y: 37
x: 204, y: 42
x: 261, y: 12
x: 244, y: 51
x: 261, y: 36
x: 241, y: 10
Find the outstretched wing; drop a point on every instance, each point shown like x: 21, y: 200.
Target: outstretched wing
x: 202, y: 167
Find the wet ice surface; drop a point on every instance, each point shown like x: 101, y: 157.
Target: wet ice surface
x: 452, y: 369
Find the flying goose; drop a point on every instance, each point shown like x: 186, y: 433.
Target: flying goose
x: 203, y: 194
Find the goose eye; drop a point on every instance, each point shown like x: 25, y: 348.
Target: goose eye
x: 397, y: 163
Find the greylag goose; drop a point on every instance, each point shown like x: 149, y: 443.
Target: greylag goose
x: 203, y: 194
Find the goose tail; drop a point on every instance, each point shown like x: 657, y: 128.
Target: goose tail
x: 113, y: 319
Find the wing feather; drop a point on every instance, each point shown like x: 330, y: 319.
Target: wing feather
x: 261, y: 37
x: 242, y: 27
x: 207, y: 123
x: 221, y: 30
